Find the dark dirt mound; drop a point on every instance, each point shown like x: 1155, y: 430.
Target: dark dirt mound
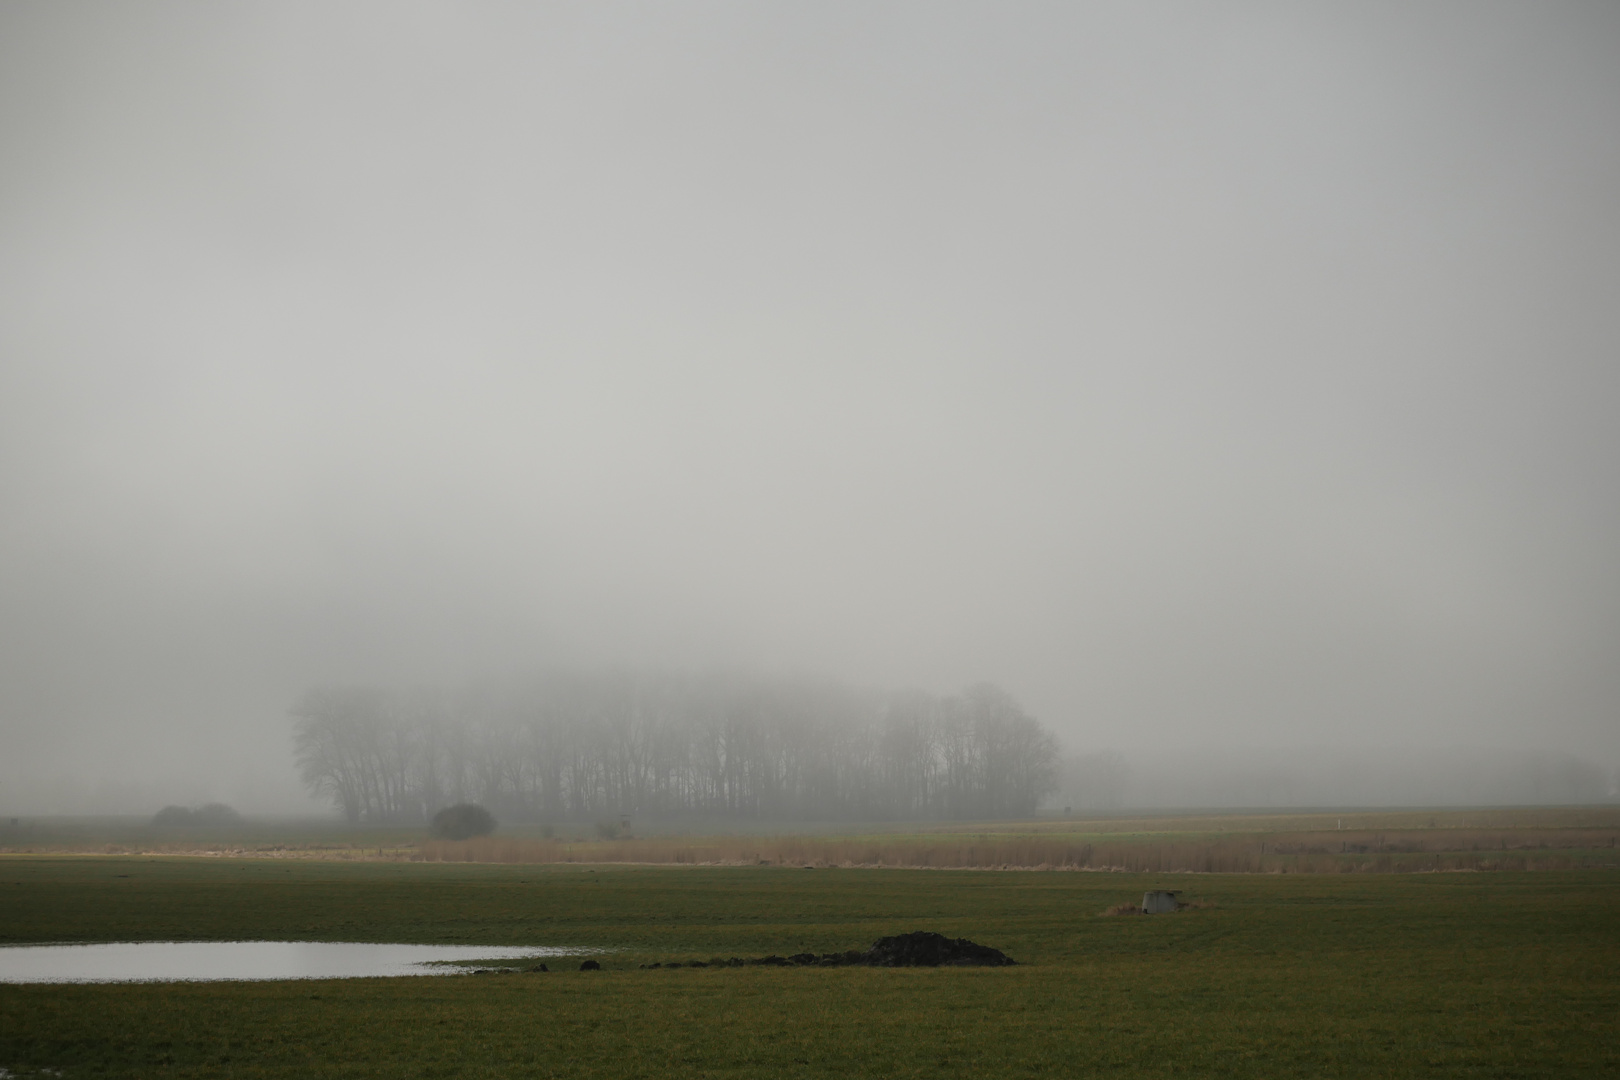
x: 923, y: 949
x: 920, y: 949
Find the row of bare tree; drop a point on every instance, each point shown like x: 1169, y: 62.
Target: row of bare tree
x: 584, y: 746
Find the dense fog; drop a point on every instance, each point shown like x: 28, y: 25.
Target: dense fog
x: 1226, y: 777
x: 1232, y: 385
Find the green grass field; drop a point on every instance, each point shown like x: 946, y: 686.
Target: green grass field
x: 1466, y: 975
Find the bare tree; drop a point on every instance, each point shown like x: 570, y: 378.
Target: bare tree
x: 587, y: 746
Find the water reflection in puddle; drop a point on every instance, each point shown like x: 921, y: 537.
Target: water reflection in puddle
x: 209, y: 961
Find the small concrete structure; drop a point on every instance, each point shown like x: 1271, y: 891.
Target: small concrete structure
x: 1159, y: 902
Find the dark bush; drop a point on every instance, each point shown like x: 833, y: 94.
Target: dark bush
x: 463, y: 820
x: 214, y: 815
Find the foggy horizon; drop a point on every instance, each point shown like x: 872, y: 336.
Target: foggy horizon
x: 1234, y: 387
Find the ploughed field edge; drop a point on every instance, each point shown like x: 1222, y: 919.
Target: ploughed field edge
x: 917, y: 949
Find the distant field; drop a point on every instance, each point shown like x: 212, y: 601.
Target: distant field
x: 1432, y: 975
x: 1533, y: 838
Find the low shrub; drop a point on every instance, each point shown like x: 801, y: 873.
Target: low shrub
x: 463, y: 821
x: 213, y: 815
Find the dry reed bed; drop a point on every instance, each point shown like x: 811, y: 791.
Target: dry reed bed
x: 1298, y: 853
x: 1510, y: 819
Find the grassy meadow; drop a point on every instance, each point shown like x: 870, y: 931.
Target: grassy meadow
x: 1506, y: 974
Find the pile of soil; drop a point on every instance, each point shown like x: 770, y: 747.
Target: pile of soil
x: 918, y: 949
x: 922, y: 949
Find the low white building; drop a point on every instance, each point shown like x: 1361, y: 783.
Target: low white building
x: 1159, y: 901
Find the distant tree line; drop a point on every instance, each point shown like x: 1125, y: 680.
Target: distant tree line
x: 578, y: 746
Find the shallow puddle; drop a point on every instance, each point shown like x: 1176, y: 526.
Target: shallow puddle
x: 211, y: 961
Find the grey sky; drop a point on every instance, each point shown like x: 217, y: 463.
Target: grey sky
x: 1240, y: 374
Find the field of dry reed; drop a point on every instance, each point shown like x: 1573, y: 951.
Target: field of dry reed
x: 1261, y: 850
x: 1401, y: 841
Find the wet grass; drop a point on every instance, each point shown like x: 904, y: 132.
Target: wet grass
x: 1466, y: 975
